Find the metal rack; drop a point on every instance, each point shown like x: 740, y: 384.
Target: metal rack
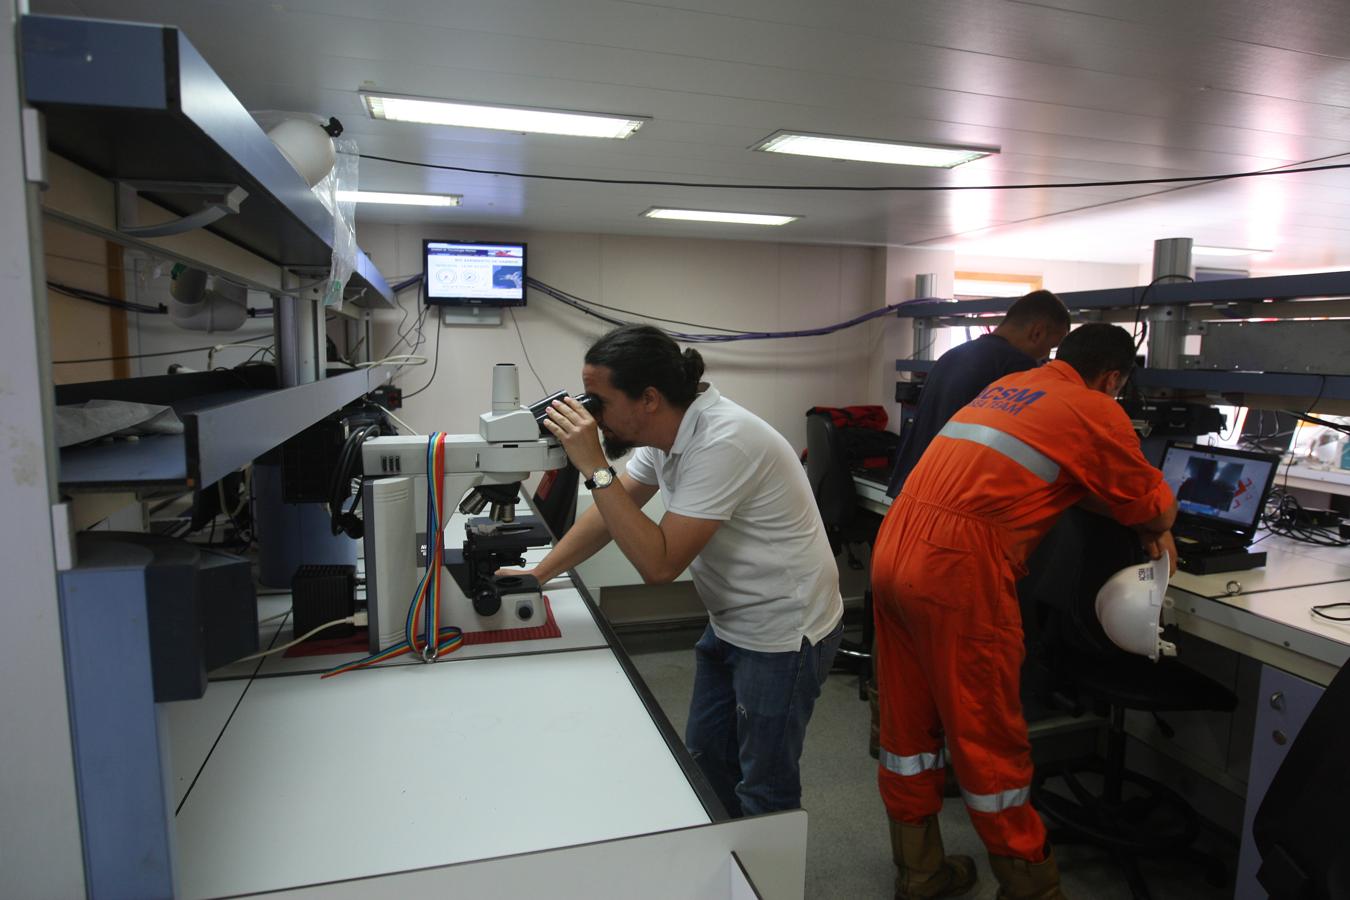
x: 229, y: 419
x: 138, y: 105
x: 1228, y: 299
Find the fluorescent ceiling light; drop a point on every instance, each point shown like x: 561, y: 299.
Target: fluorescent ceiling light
x: 863, y: 150
x: 501, y: 118
x: 1228, y: 251
x: 707, y: 215
x: 401, y: 199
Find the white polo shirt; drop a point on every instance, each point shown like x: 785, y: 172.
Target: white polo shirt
x: 767, y: 576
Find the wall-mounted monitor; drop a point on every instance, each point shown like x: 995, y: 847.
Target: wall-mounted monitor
x: 474, y: 273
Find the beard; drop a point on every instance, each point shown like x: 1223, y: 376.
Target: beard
x: 614, y: 447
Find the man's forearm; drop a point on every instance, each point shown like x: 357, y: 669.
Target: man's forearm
x: 641, y: 540
x: 583, y: 540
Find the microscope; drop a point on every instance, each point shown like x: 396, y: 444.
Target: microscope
x: 479, y: 470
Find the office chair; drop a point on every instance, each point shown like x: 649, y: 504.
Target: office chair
x: 555, y: 499
x: 846, y: 524
x: 1129, y: 814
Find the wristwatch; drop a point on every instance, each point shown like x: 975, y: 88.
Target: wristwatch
x: 601, y: 478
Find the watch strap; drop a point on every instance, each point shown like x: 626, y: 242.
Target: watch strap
x: 590, y: 482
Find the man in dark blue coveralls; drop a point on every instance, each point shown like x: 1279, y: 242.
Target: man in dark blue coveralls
x: 1034, y: 325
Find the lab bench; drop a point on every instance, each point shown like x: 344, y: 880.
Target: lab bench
x: 521, y: 767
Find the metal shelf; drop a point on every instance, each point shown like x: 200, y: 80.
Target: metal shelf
x: 1229, y: 290
x: 229, y: 419
x: 1238, y: 291
x: 1235, y: 384
x: 133, y: 102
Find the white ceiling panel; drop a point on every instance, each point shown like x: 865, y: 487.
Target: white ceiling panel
x: 1070, y: 90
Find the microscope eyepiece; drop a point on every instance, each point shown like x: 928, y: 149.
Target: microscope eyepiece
x: 540, y: 409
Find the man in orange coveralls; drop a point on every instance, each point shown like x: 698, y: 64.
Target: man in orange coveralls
x: 949, y: 632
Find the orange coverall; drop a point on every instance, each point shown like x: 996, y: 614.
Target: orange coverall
x: 944, y: 573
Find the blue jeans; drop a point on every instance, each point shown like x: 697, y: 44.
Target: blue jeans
x: 747, y: 719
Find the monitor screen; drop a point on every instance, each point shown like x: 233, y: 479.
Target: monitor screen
x: 1223, y: 487
x: 474, y: 273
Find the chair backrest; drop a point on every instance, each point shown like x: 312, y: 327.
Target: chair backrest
x: 1058, y: 596
x: 828, y: 472
x: 555, y: 499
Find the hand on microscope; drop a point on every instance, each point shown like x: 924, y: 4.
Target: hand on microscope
x: 536, y: 573
x: 578, y: 432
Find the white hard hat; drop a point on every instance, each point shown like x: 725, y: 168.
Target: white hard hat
x: 1130, y: 607
x: 306, y: 146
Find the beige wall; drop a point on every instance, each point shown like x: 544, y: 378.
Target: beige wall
x: 897, y: 269
x: 1060, y: 275
x: 730, y: 284
x: 78, y: 329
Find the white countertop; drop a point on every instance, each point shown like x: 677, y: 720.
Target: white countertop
x: 1289, y: 564
x: 391, y: 769
x: 282, y: 779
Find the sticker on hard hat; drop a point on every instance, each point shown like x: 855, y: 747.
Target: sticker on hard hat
x: 1146, y: 574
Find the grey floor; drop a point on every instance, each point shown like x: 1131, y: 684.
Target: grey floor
x: 848, y: 851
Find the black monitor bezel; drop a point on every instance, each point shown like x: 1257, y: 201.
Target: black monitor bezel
x: 479, y: 302
x: 1216, y: 524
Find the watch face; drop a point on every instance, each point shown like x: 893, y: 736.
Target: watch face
x: 603, y: 477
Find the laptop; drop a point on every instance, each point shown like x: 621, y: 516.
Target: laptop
x: 1220, y: 494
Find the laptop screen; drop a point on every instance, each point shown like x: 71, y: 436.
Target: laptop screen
x: 1217, y: 487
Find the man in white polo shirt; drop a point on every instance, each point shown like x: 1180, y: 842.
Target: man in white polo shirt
x: 740, y: 517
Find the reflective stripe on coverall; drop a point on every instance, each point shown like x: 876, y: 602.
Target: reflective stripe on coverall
x: 944, y: 572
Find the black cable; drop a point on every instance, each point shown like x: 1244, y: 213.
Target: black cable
x: 1288, y: 465
x: 629, y: 312
x: 255, y: 353
x: 67, y: 362
x: 435, y: 365
x: 1232, y: 427
x: 520, y: 337
x: 582, y: 306
x: 1321, y: 389
x: 146, y: 309
x: 1320, y: 610
x: 339, y: 486
x: 1325, y: 423
x: 419, y: 327
x: 1139, y: 307
x: 1187, y: 179
x: 104, y: 300
x: 399, y: 337
x: 239, y: 532
x: 1283, y: 516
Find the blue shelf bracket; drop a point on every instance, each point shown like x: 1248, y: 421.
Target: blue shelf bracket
x: 218, y: 201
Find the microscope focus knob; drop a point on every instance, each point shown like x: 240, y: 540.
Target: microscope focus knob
x: 486, y: 602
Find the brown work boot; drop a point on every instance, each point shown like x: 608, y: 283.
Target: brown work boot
x: 874, y: 741
x: 1022, y: 880
x: 924, y: 871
